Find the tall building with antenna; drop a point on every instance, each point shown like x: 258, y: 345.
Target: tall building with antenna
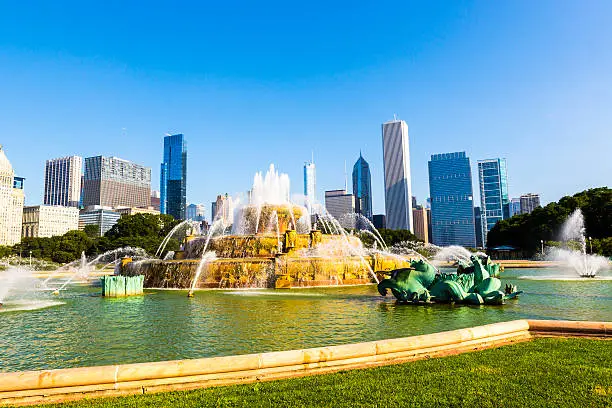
x: 398, y: 186
x: 310, y: 184
x: 362, y: 187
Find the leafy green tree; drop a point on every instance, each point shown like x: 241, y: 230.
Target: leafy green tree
x: 526, y: 231
x: 92, y: 230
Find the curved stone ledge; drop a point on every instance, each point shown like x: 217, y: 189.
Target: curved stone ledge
x: 73, y: 383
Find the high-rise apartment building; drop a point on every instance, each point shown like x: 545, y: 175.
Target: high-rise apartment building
x: 11, y: 202
x: 103, y: 217
x: 494, y: 201
x: 452, y: 208
x: 398, y: 187
x: 478, y: 228
x: 310, y: 185
x: 173, y: 180
x: 63, y: 181
x: 155, y: 199
x: 362, y: 187
x: 195, y: 212
x: 514, y: 207
x: 339, y: 203
x: 223, y: 209
x: 49, y: 220
x: 529, y: 202
x: 114, y: 182
x: 421, y: 217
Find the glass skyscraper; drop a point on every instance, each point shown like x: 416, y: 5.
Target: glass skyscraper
x: 173, y: 179
x: 494, y: 201
x: 452, y: 207
x: 398, y: 187
x: 310, y: 185
x: 362, y: 187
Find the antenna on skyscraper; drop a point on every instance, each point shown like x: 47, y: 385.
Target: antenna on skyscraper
x: 395, y: 117
x: 345, y: 178
x: 312, y: 156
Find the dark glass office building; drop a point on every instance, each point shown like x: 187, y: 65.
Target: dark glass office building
x: 173, y: 179
x: 362, y: 187
x: 452, y: 208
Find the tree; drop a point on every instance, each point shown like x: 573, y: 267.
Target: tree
x: 92, y: 230
x: 526, y: 231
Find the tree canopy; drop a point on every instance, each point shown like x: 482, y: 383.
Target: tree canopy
x: 525, y: 231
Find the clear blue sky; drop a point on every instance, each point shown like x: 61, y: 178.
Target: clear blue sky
x: 250, y: 83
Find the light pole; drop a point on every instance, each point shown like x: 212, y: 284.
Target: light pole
x: 542, y: 243
x: 30, y: 259
x: 591, y: 245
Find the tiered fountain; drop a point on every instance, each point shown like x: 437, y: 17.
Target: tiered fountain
x: 269, y: 242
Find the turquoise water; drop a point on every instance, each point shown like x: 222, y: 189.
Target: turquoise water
x: 80, y: 328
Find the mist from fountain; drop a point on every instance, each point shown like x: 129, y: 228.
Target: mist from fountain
x: 585, y: 265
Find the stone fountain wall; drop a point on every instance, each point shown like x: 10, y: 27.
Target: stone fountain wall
x: 282, y: 271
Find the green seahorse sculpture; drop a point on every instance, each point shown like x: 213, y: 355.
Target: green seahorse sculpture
x: 474, y: 284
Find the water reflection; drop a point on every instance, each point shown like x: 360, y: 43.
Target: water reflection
x: 163, y: 325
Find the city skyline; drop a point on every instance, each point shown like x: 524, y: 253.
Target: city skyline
x: 114, y: 98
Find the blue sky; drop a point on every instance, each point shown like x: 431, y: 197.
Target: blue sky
x: 250, y: 83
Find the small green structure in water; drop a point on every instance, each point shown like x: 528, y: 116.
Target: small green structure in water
x: 119, y: 286
x: 474, y: 284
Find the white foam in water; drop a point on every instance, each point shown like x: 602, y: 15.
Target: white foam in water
x: 26, y: 305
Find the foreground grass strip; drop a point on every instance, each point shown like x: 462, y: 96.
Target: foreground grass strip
x: 546, y: 372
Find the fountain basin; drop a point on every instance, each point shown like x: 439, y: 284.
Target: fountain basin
x: 256, y: 261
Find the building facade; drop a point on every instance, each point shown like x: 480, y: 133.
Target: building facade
x: 195, y: 212
x: 514, y: 207
x: 398, y: 186
x: 452, y: 207
x: 173, y: 178
x: 63, y: 178
x: 529, y: 202
x: 49, y: 220
x: 494, y: 200
x: 11, y: 202
x: 155, y: 199
x: 478, y: 227
x: 310, y: 185
x: 339, y: 202
x: 420, y: 218
x: 103, y: 217
x: 114, y: 182
x: 136, y: 210
x: 223, y: 209
x: 362, y: 187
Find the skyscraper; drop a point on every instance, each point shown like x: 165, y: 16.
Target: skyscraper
x: 195, y: 212
x: 494, y: 201
x: 63, y: 181
x: 362, y: 187
x: 173, y: 180
x: 339, y: 203
x: 452, y: 209
x: 529, y: 202
x: 478, y: 227
x: 514, y: 207
x: 398, y: 187
x: 11, y: 202
x: 114, y: 182
x: 310, y: 185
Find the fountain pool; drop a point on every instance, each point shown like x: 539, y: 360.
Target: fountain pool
x: 85, y: 329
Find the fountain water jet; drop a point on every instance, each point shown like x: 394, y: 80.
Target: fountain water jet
x: 585, y: 265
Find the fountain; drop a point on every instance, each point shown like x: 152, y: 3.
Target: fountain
x: 573, y: 233
x: 272, y: 244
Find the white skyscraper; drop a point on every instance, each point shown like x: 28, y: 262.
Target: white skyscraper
x: 63, y: 181
x: 310, y: 184
x: 11, y: 203
x: 398, y: 186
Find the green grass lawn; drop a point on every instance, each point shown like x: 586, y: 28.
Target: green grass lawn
x: 545, y: 372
